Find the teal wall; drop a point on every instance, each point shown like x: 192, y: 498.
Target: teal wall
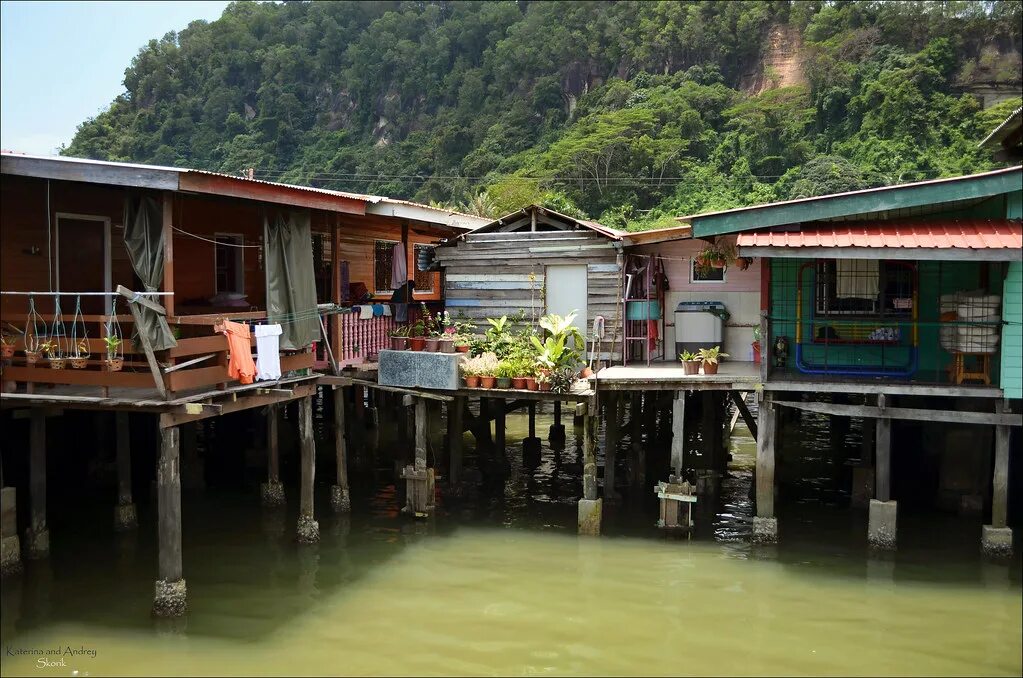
x: 1012, y: 332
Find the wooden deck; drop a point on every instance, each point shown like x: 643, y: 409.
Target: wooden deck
x: 731, y: 376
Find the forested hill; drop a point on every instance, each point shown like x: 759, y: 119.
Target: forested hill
x: 627, y: 112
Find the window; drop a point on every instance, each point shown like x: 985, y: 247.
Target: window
x: 865, y: 287
x: 424, y: 279
x: 707, y: 275
x: 230, y: 269
x: 382, y: 261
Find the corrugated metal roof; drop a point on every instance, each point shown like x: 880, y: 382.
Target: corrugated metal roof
x: 612, y: 233
x: 974, y: 234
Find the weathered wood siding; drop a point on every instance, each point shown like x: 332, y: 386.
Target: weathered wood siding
x: 488, y: 275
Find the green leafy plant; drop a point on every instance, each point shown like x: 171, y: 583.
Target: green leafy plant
x: 756, y: 333
x: 686, y: 356
x: 720, y: 254
x: 506, y: 369
x: 710, y: 355
x: 562, y: 379
x: 400, y: 331
x: 49, y: 348
x: 113, y: 342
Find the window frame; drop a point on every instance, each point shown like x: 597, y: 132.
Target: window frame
x: 415, y: 267
x: 880, y: 308
x: 239, y: 253
x: 377, y: 241
x: 693, y: 274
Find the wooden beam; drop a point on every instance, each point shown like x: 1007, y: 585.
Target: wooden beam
x: 168, y: 480
x: 147, y: 347
x: 145, y: 301
x: 291, y: 196
x: 740, y: 408
x: 307, y: 446
x: 907, y: 413
x: 398, y: 389
x: 341, y: 503
x: 765, y: 458
x: 455, y: 430
x: 1000, y: 483
x: 91, y: 171
x: 244, y: 403
x: 168, y: 251
x: 37, y: 484
x: 589, y: 457
x: 678, y: 437
x: 883, y: 460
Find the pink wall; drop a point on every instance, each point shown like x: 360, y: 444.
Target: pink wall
x: 678, y: 254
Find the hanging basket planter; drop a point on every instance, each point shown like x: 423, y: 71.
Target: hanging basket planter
x: 79, y: 363
x: 31, y: 357
x: 113, y: 364
x: 7, y: 351
x: 58, y: 363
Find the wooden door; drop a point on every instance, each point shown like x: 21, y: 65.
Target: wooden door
x: 82, y: 262
x: 566, y: 292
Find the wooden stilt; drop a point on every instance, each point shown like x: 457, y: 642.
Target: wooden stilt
x: 37, y: 537
x: 532, y: 419
x: 124, y: 513
x: 272, y: 491
x: 590, y: 505
x: 678, y: 436
x: 170, y: 599
x: 996, y: 538
x: 455, y: 426
x: 883, y: 447
x: 308, y: 528
x: 499, y: 427
x: 611, y: 436
x: 418, y: 478
x: 340, y: 499
x: 765, y: 525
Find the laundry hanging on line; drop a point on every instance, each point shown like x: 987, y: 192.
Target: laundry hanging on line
x: 268, y: 352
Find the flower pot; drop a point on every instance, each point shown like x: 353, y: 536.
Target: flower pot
x: 503, y: 382
x: 690, y: 367
x: 58, y: 363
x: 399, y: 343
x: 446, y: 346
x: 519, y: 382
x: 462, y: 348
x: 531, y: 384
x: 79, y: 363
x: 544, y: 386
x: 7, y: 350
x: 487, y: 382
x: 710, y: 368
x: 31, y: 357
x: 472, y: 381
x: 416, y: 343
x: 756, y: 352
x: 113, y: 364
x: 586, y: 373
x: 431, y: 344
x: 717, y: 263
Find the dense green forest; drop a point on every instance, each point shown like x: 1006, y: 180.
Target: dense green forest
x: 628, y: 112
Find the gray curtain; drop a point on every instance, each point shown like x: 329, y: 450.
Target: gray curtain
x: 290, y: 285
x: 143, y: 237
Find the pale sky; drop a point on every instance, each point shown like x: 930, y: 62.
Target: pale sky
x: 63, y: 62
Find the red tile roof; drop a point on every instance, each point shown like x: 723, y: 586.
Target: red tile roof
x: 976, y: 234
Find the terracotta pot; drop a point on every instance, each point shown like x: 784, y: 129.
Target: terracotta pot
x: 690, y: 367
x: 58, y: 363
x: 586, y: 373
x: 7, y: 350
x: 31, y: 357
x: 710, y: 368
x: 531, y: 384
x: 756, y: 352
x: 416, y: 343
x: 544, y: 386
x: 472, y: 381
x: 113, y: 364
x: 431, y: 344
x: 79, y: 363
x: 519, y: 382
x: 399, y: 343
x: 446, y: 346
x: 462, y: 348
x: 487, y: 382
x: 503, y: 382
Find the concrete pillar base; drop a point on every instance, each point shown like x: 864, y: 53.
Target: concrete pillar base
x: 125, y: 517
x: 37, y: 544
x: 765, y: 530
x: 272, y: 493
x: 862, y: 486
x: 556, y: 433
x: 10, y: 555
x: 308, y: 530
x: 996, y: 541
x: 590, y: 511
x: 340, y: 499
x: 170, y: 599
x: 882, y: 524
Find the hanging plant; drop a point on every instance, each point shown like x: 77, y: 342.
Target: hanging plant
x: 714, y: 256
x: 35, y: 333
x: 79, y: 338
x: 114, y: 360
x: 57, y: 345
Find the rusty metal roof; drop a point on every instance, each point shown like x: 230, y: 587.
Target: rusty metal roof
x: 973, y: 234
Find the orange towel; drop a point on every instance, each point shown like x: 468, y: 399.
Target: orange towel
x: 651, y: 328
x: 240, y: 365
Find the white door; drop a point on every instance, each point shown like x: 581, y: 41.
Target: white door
x: 566, y: 292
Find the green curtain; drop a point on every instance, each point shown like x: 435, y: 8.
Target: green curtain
x: 143, y: 238
x: 290, y: 284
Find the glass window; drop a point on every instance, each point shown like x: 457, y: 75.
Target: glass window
x: 864, y: 287
x: 699, y: 274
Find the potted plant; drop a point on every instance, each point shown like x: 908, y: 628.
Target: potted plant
x: 520, y: 369
x: 717, y: 255
x: 399, y: 338
x: 470, y: 371
x: 690, y: 363
x: 7, y: 342
x: 504, y: 373
x: 416, y: 340
x: 487, y: 369
x: 756, y: 345
x: 54, y: 355
x: 562, y: 379
x: 113, y: 362
x: 543, y: 380
x: 446, y: 344
x: 710, y: 358
x: 81, y: 357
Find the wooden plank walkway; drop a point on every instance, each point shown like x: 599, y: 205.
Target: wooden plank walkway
x: 731, y: 376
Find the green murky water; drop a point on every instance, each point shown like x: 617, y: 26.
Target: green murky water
x: 500, y: 584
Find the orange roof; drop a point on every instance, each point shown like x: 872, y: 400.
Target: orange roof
x: 974, y: 234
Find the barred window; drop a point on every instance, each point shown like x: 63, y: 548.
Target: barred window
x: 382, y: 260
x: 424, y: 279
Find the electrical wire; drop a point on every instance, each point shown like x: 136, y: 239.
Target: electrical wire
x: 209, y: 240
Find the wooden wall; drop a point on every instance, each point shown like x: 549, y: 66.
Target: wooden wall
x: 487, y: 275
x: 357, y: 245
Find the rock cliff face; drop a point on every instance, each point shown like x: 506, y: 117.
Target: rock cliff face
x: 782, y: 62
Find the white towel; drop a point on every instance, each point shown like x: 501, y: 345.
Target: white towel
x: 365, y: 312
x: 387, y: 310
x: 857, y: 279
x: 268, y: 352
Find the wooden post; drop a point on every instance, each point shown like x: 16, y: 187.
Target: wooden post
x: 499, y: 428
x: 37, y: 538
x: 124, y: 513
x: 996, y: 539
x: 532, y: 419
x: 637, y: 469
x: 335, y: 288
x: 882, y: 518
x: 765, y: 525
x: 340, y: 499
x: 272, y: 491
x: 419, y: 480
x: 590, y: 506
x: 308, y: 528
x: 556, y: 433
x: 678, y: 435
x: 883, y: 468
x: 170, y: 599
x: 455, y: 426
x: 168, y: 251
x: 611, y: 445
